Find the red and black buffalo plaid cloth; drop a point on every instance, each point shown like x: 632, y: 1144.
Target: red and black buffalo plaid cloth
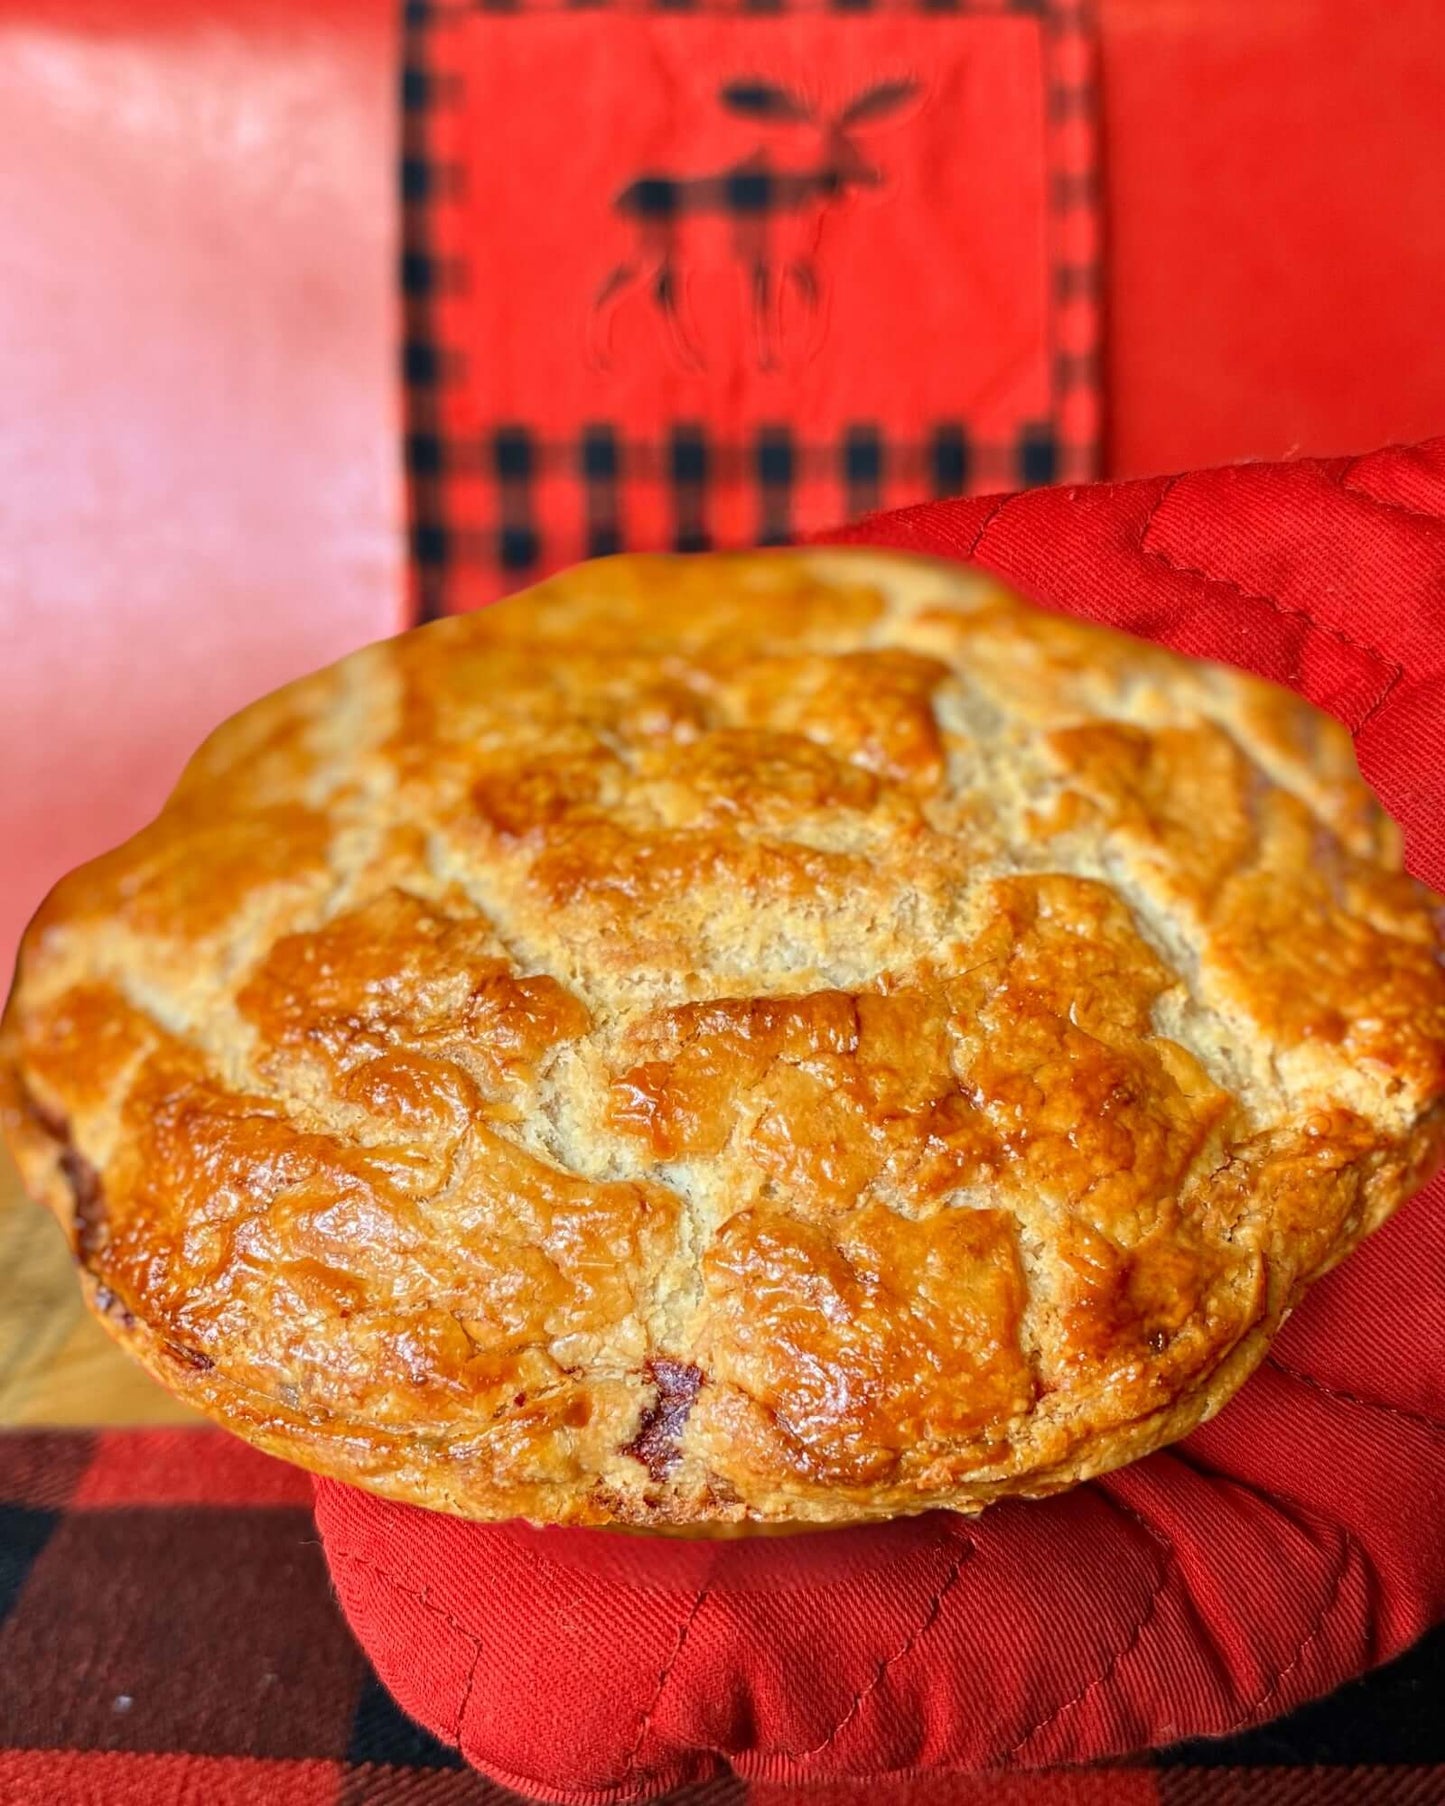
x: 168, y: 1637
x: 694, y: 273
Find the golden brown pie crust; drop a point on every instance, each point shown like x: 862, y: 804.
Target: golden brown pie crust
x: 741, y: 1041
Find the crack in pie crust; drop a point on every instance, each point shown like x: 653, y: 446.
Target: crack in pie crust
x: 736, y: 1042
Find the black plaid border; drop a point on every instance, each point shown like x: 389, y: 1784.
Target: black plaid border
x: 442, y: 13
x: 422, y: 88
x: 690, y: 465
x: 1076, y: 251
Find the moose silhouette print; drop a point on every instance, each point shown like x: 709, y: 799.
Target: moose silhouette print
x: 773, y: 213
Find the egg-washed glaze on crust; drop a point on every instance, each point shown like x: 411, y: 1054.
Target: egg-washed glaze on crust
x: 732, y: 1043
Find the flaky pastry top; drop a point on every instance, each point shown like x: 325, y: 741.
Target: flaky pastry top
x: 732, y: 1042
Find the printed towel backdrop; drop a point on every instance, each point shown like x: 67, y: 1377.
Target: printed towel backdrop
x: 693, y: 273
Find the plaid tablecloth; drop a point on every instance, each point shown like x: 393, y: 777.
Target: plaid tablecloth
x: 168, y: 1637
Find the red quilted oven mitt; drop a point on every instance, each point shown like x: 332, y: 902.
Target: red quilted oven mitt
x: 1285, y: 1546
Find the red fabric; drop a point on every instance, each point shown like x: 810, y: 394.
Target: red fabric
x: 114, y: 1778
x: 176, y: 1642
x: 588, y: 366
x: 1274, y: 205
x: 199, y: 491
x: 1291, y: 1542
x: 160, y: 1468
